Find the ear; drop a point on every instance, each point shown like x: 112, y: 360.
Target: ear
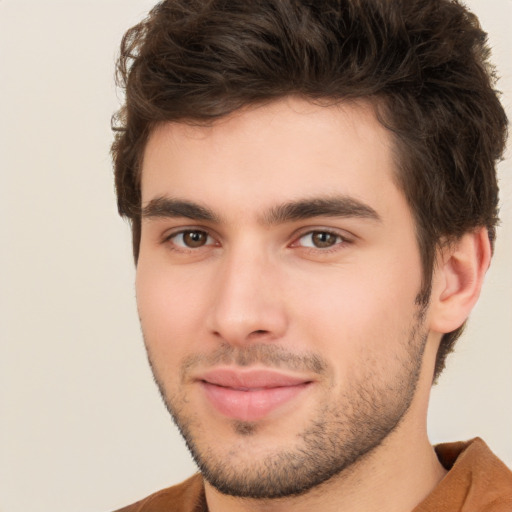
x: 458, y: 279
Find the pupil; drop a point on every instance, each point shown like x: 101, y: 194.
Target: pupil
x: 324, y: 239
x: 194, y: 238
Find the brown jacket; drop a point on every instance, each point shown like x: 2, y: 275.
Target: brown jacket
x: 477, y: 481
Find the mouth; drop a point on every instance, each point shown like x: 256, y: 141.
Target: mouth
x: 250, y: 395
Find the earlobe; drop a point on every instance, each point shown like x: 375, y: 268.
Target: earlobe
x: 458, y: 279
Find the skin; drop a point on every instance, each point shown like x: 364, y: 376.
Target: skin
x: 241, y: 286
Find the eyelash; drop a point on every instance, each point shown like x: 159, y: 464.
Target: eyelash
x: 170, y: 239
x: 341, y: 240
x: 336, y: 246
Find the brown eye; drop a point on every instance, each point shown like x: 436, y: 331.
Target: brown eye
x: 192, y: 239
x: 320, y: 240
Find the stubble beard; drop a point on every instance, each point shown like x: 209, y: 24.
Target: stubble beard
x: 344, y: 431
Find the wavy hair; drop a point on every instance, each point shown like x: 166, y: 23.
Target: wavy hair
x: 423, y: 64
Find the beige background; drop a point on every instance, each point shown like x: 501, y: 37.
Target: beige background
x: 81, y: 424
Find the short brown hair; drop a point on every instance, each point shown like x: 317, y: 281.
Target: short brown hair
x: 422, y: 63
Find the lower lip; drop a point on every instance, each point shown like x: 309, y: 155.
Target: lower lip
x: 250, y: 405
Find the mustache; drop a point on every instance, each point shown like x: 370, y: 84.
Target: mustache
x: 272, y: 356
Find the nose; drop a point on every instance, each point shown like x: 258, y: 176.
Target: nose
x: 247, y: 303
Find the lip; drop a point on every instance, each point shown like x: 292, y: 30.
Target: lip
x: 250, y: 395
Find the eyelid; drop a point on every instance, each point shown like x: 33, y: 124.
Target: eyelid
x: 169, y: 235
x: 345, y: 237
x: 169, y: 232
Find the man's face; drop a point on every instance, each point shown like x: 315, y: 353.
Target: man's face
x: 276, y: 287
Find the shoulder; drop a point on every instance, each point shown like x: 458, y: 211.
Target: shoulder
x: 475, y: 458
x: 185, y: 497
x: 477, y: 480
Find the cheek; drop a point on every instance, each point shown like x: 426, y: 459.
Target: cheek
x: 361, y: 310
x: 169, y: 307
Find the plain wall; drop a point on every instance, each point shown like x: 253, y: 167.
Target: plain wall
x: 82, y: 427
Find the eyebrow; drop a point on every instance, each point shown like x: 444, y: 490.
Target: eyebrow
x: 336, y: 206
x: 332, y: 206
x: 170, y: 207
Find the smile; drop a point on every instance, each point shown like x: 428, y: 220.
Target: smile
x: 250, y: 395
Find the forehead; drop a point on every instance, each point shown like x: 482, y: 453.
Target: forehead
x: 272, y: 153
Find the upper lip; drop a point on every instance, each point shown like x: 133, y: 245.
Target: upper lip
x: 251, y: 378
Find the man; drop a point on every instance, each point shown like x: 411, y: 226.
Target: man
x: 313, y: 199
